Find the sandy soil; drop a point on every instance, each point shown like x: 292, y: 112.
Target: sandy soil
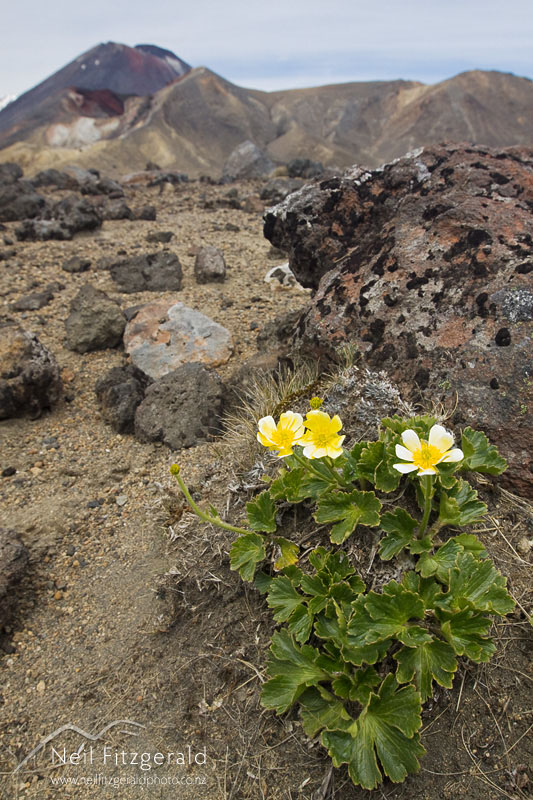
x: 129, y: 610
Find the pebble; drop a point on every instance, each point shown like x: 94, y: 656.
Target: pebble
x: 122, y: 500
x: 70, y: 550
x: 524, y: 546
x: 41, y: 686
x: 8, y: 471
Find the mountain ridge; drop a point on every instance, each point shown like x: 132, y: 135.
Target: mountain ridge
x: 158, y: 108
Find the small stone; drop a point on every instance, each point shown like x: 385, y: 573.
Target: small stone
x: 524, y: 546
x: 8, y: 471
x: 41, y: 686
x: 70, y: 550
x: 58, y: 595
x: 122, y: 500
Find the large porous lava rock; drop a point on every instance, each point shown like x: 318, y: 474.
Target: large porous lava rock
x: 10, y: 173
x: 181, y: 409
x: 29, y: 375
x: 119, y: 393
x: 210, y: 265
x: 153, y: 272
x: 162, y: 336
x: 77, y: 214
x: 247, y: 161
x: 54, y: 177
x: 13, y: 563
x: 19, y: 200
x: 95, y: 321
x: 424, y: 265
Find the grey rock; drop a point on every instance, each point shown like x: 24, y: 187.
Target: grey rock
x: 14, y: 559
x: 29, y: 375
x: 181, y: 409
x: 42, y: 230
x: 77, y: 214
x: 76, y: 264
x: 18, y: 201
x: 33, y: 301
x: 10, y: 172
x: 277, y: 189
x: 152, y: 272
x: 54, y: 177
x: 147, y: 212
x: 209, y: 266
x: 164, y: 335
x: 247, y: 161
x: 119, y: 393
x: 159, y: 237
x: 117, y: 209
x: 304, y: 168
x: 95, y: 321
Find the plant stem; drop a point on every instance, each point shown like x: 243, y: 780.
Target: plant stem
x: 427, y: 488
x: 203, y: 514
x: 306, y: 464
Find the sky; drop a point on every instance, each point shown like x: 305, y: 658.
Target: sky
x: 277, y: 44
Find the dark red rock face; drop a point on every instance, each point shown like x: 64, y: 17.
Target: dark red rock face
x: 425, y: 266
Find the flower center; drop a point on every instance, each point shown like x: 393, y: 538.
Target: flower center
x: 284, y: 439
x: 427, y: 456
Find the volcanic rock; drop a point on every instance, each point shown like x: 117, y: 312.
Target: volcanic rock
x: 158, y: 347
x: 19, y: 200
x: 14, y: 559
x: 117, y: 209
x: 423, y: 266
x: 10, y: 173
x: 304, y: 168
x: 152, y: 272
x: 95, y: 321
x: 209, y: 265
x: 182, y: 408
x: 54, y: 177
x: 159, y: 237
x: 119, y: 393
x: 147, y: 212
x: 42, y: 230
x: 33, y: 301
x: 76, y: 264
x: 29, y: 374
x: 247, y: 161
x: 77, y: 214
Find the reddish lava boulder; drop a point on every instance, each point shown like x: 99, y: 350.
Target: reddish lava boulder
x: 424, y: 265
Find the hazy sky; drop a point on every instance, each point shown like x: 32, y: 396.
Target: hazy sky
x: 277, y: 43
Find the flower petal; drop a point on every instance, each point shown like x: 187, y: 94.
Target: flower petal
x: 453, y: 455
x: 403, y: 452
x: 290, y: 420
x: 428, y: 471
x: 440, y: 438
x: 411, y: 440
x: 405, y: 467
x: 336, y: 423
x: 267, y: 426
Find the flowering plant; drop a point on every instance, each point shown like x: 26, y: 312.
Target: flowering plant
x: 360, y: 663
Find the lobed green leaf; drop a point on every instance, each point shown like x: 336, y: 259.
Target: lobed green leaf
x: 480, y: 455
x: 246, y: 553
x: 429, y: 661
x: 262, y: 513
x: 348, y: 510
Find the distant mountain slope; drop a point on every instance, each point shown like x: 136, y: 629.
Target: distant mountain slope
x: 94, y: 84
x: 118, y: 107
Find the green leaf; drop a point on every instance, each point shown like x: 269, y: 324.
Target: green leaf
x: 467, y: 632
x: 293, y: 669
x: 446, y: 474
x: 262, y: 513
x: 478, y: 585
x: 288, y: 485
x: 333, y: 631
x: 350, y: 471
x: 440, y: 562
x: 300, y: 623
x: 319, y: 709
x: 283, y: 598
x: 386, y: 729
x: 431, y: 661
x: 400, y: 527
x: 246, y: 552
x: 355, y: 508
x: 429, y: 591
x: 289, y: 553
x: 471, y: 544
x: 480, y: 455
x: 460, y: 505
x: 397, y: 425
x: 389, y: 613
x: 262, y: 582
x: 375, y: 464
x: 356, y: 686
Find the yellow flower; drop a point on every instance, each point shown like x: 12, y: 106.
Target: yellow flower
x: 282, y: 437
x: 424, y: 456
x: 321, y: 438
